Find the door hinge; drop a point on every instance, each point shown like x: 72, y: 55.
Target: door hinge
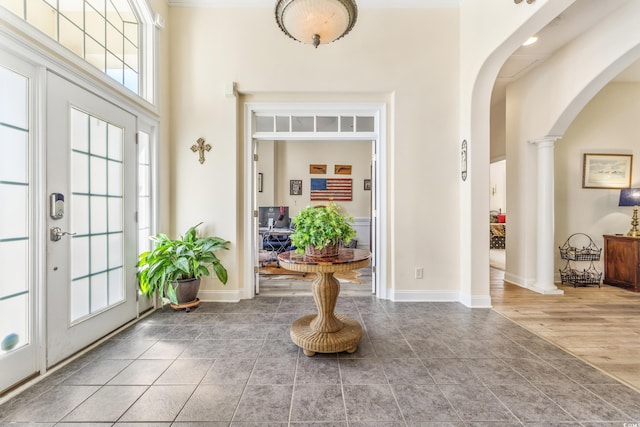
x: 135, y: 217
x: 137, y: 137
x: 255, y: 270
x: 255, y: 157
x: 255, y: 214
x: 373, y: 269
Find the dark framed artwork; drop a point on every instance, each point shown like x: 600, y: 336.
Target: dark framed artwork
x: 367, y: 185
x: 295, y: 187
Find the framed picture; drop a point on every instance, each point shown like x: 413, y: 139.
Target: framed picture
x: 295, y: 187
x: 606, y: 170
x: 367, y: 185
x: 342, y: 169
x: 260, y: 182
x: 318, y: 169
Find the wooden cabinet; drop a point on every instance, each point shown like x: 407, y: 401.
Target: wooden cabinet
x: 622, y: 262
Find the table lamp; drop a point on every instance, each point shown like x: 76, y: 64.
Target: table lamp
x: 631, y: 197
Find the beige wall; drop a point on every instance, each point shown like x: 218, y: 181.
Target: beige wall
x: 292, y: 160
x: 498, y: 144
x: 437, y: 90
x: 608, y: 124
x: 212, y: 47
x: 163, y: 102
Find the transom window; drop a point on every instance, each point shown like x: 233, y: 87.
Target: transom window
x: 105, y: 33
x: 348, y: 124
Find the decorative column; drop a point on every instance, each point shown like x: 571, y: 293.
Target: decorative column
x: 545, y: 283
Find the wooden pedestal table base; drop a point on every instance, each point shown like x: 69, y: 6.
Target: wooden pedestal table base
x: 326, y: 332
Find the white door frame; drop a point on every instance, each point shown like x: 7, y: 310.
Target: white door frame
x: 379, y: 136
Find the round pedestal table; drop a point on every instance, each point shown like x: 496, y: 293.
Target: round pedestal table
x: 326, y: 332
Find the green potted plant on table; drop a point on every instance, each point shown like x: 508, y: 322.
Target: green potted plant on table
x: 174, y: 266
x: 320, y: 230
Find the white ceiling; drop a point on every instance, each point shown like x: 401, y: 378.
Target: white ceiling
x: 578, y: 18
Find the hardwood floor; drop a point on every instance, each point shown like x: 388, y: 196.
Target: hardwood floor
x: 599, y: 325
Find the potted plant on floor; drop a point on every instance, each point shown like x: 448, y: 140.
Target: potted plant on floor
x: 174, y: 267
x: 320, y: 230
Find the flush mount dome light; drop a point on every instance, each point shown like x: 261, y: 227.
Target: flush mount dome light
x: 316, y: 22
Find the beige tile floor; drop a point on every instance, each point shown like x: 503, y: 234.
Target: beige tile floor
x: 599, y: 325
x: 418, y: 364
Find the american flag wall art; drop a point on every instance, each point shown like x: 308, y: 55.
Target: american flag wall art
x: 338, y: 189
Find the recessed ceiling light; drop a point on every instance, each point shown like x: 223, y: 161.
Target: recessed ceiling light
x: 531, y: 40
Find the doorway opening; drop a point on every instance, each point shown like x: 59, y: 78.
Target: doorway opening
x: 346, y: 164
x: 280, y: 175
x: 497, y: 214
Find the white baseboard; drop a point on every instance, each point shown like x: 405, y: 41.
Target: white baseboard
x: 220, y: 296
x: 518, y: 280
x: 476, y: 301
x: 483, y: 301
x: 531, y: 285
x: 425, y: 296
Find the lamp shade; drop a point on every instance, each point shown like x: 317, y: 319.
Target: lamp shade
x: 316, y: 21
x: 629, y: 197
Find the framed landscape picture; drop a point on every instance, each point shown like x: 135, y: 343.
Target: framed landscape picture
x: 606, y: 170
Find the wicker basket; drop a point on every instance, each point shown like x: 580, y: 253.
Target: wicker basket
x: 328, y: 251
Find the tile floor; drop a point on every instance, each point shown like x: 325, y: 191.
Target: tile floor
x: 419, y: 364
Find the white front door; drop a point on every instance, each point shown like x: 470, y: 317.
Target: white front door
x: 92, y: 234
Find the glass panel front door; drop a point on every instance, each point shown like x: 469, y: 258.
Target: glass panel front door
x: 91, y: 250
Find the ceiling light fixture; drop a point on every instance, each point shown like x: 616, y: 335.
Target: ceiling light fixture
x: 530, y: 40
x: 316, y: 22
x: 520, y: 1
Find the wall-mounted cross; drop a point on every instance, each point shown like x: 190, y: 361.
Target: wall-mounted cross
x: 201, y: 147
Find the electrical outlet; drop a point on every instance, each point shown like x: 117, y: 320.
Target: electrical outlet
x: 419, y: 272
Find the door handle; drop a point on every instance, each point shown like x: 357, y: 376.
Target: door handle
x: 56, y: 233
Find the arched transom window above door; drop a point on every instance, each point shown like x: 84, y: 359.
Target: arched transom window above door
x: 111, y: 35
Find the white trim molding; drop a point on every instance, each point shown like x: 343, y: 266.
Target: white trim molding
x: 480, y: 301
x: 378, y: 136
